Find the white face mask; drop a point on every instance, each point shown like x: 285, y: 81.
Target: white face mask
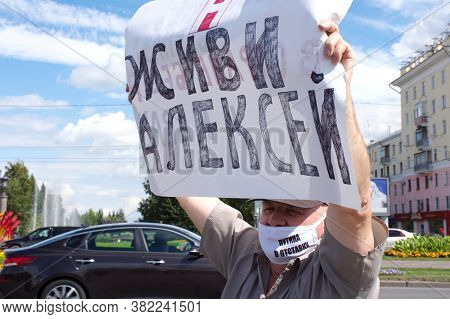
x: 281, y: 244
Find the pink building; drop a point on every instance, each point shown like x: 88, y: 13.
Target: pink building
x: 416, y: 159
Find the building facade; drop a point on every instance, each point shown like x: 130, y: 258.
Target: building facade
x: 416, y: 159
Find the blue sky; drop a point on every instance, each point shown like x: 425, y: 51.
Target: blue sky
x: 60, y: 144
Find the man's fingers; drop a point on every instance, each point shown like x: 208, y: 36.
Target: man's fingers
x: 339, y: 51
x: 329, y: 27
x: 331, y: 43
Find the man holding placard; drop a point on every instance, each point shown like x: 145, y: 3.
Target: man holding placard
x: 317, y: 237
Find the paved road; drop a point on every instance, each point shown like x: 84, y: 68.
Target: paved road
x: 415, y: 264
x: 414, y: 293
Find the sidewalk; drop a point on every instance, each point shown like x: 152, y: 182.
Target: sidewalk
x: 415, y: 264
x: 414, y: 284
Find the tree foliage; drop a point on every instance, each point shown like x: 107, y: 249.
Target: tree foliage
x: 92, y: 218
x: 167, y: 210
x: 20, y: 192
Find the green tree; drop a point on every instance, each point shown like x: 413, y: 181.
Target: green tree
x: 20, y: 192
x: 115, y: 217
x: 166, y: 210
x: 91, y: 218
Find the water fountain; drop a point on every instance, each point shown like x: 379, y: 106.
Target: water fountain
x: 36, y: 194
x: 44, y: 211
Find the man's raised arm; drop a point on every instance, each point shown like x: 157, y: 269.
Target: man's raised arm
x: 198, y: 209
x: 351, y: 228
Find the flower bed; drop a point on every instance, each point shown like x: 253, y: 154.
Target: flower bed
x: 2, y: 258
x: 422, y: 246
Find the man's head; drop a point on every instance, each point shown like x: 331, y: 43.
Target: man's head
x: 304, y: 213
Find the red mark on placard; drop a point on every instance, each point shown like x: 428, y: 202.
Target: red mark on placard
x: 206, y: 23
x: 210, y: 15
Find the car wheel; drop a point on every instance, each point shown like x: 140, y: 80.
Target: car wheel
x: 63, y: 289
x: 14, y: 246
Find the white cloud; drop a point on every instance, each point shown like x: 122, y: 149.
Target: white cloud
x: 413, y: 8
x: 51, y: 12
x: 111, y: 129
x: 28, y: 43
x: 370, y: 85
x: 108, y: 77
x: 117, y: 96
x: 376, y: 24
x: 423, y: 33
x: 32, y: 100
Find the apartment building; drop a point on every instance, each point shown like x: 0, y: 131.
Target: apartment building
x: 416, y: 159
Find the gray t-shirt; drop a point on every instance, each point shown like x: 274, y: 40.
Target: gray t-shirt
x: 330, y: 271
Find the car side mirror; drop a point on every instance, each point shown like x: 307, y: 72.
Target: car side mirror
x: 194, y: 252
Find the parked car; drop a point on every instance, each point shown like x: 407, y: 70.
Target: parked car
x: 36, y: 236
x: 140, y: 260
x: 396, y: 235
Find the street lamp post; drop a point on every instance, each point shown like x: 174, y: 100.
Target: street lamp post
x: 3, y: 195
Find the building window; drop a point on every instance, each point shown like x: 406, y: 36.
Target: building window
x: 400, y: 150
x: 419, y: 205
x: 446, y: 178
x: 410, y: 206
x: 442, y: 77
x: 407, y: 140
x: 403, y: 208
x: 445, y: 152
x: 376, y: 174
x: 435, y: 155
x: 433, y: 82
x: 444, y: 101
x: 381, y: 172
x: 427, y: 201
x: 427, y: 181
x: 408, y: 163
x: 395, y: 170
x: 409, y: 185
x: 414, y: 93
x: 444, y: 126
x: 418, y: 183
x: 434, y: 130
x: 395, y: 207
x: 437, y: 203
x: 407, y: 119
x: 393, y: 149
x: 387, y: 171
x: 406, y: 97
x: 433, y: 106
x: 403, y: 188
x: 448, y: 202
x: 395, y: 189
x: 423, y: 89
x: 436, y: 182
x: 401, y: 167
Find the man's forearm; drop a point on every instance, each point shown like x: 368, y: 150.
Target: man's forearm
x: 360, y: 156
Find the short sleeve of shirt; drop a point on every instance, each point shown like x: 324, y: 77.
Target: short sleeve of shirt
x: 351, y: 274
x: 227, y: 237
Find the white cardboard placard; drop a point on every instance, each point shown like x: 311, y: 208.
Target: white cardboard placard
x: 234, y: 98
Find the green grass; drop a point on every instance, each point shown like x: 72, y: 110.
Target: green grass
x: 121, y: 244
x: 415, y: 258
x: 420, y: 274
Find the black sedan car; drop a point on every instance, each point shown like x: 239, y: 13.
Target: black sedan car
x: 140, y: 260
x: 36, y: 236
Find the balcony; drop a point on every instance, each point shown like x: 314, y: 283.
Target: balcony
x: 421, y: 120
x: 423, y: 144
x: 423, y: 168
x: 386, y: 160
